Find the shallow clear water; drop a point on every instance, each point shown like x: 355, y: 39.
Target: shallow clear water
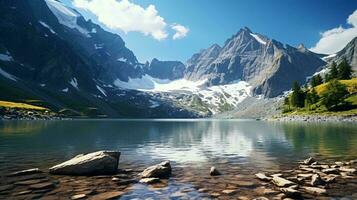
x: 193, y: 143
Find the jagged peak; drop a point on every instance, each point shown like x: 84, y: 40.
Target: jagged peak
x: 301, y: 47
x: 215, y: 46
x: 246, y: 29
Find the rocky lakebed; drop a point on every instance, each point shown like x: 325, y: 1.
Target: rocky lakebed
x: 98, y: 176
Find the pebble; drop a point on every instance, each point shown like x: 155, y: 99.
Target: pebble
x: 229, y: 192
x: 107, y: 195
x: 26, y: 172
x: 40, y: 186
x: 315, y: 190
x: 149, y: 180
x: 262, y: 177
x: 214, y: 172
x: 78, y: 196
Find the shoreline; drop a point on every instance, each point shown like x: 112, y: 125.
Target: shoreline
x: 308, y: 178
x: 314, y: 118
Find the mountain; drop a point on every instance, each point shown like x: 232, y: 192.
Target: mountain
x: 51, y: 55
x: 268, y: 65
x: 349, y: 52
x: 165, y: 69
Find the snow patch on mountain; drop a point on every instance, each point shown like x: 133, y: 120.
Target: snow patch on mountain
x: 148, y: 83
x: 216, y: 96
x: 101, y: 90
x: 98, y: 46
x: 6, y: 57
x: 232, y: 94
x: 47, y: 26
x: 329, y: 56
x: 122, y: 59
x: 65, y: 90
x: 322, y: 72
x: 7, y: 75
x: 260, y: 40
x: 74, y: 83
x: 66, y: 16
x: 154, y: 104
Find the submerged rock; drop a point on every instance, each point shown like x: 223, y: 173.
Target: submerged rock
x: 149, y: 180
x: 263, y: 177
x: 78, y: 196
x: 282, y: 182
x: 214, y: 172
x: 107, y: 195
x: 96, y: 163
x: 316, y: 180
x: 309, y: 161
x: 40, y: 186
x: 330, y: 171
x: 26, y: 172
x: 229, y: 192
x: 290, y: 192
x: 315, y: 190
x: 346, y: 169
x: 161, y: 170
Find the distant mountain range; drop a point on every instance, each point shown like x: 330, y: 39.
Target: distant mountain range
x: 51, y: 55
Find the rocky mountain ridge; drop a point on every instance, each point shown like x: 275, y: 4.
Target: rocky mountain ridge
x: 51, y: 54
x: 256, y: 59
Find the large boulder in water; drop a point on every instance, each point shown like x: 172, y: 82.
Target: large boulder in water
x: 161, y: 170
x: 96, y: 163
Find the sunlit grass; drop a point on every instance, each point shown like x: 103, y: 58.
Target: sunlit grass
x: 351, y: 86
x: 8, y: 104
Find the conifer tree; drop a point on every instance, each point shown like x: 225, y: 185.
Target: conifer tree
x: 344, y: 70
x: 316, y: 80
x: 297, y: 98
x: 333, y: 73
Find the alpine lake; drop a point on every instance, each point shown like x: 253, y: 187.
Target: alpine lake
x: 237, y: 148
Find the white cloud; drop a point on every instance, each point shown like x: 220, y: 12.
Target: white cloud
x: 126, y: 16
x: 336, y: 39
x: 181, y: 31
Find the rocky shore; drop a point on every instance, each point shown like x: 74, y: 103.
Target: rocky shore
x: 314, y: 118
x: 97, y: 176
x: 24, y: 114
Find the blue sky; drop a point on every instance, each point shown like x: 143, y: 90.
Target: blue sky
x: 213, y: 21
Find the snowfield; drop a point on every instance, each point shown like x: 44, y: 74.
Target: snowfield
x: 329, y: 56
x: 216, y: 96
x: 74, y: 83
x: 260, y: 40
x: 6, y: 57
x: 7, y: 75
x: 47, y: 26
x: 66, y: 16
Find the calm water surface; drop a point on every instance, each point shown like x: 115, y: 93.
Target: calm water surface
x: 194, y: 143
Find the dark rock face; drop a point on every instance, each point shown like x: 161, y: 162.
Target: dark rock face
x: 268, y: 65
x: 64, y: 50
x: 165, y: 69
x: 70, y: 63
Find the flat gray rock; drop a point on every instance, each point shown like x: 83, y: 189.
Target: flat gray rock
x: 282, y: 182
x: 262, y: 177
x: 96, y: 163
x: 161, y: 170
